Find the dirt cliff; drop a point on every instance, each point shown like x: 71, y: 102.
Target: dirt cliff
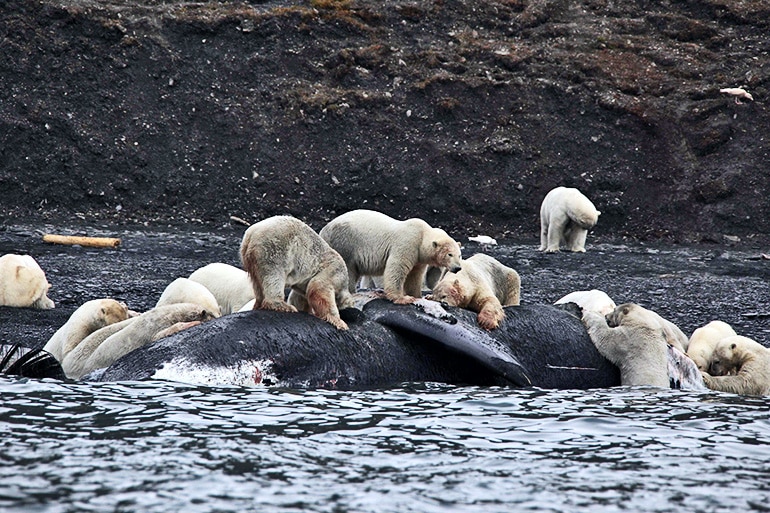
x: 462, y: 113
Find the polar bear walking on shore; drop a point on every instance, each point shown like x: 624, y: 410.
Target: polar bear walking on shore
x: 375, y: 244
x: 282, y: 251
x: 566, y: 215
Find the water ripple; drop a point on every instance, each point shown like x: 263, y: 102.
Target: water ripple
x: 157, y: 446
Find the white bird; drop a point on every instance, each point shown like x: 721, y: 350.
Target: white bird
x: 738, y: 92
x: 483, y: 239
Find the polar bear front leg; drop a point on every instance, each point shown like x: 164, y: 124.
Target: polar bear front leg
x: 320, y: 297
x: 272, y: 291
x: 414, y: 280
x: 397, y: 268
x: 576, y: 241
x: 490, y: 314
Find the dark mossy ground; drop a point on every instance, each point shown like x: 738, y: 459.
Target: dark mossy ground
x: 462, y: 113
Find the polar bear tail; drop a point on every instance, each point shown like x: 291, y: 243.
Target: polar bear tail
x: 16, y: 360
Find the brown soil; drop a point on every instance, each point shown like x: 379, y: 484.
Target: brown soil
x: 462, y: 113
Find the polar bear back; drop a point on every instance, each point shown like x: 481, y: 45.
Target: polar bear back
x: 573, y: 203
x: 501, y: 281
x: 593, y: 300
x: 366, y: 238
x: 185, y: 290
x: 230, y: 285
x: 23, y: 283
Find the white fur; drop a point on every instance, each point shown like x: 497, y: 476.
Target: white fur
x: 374, y: 244
x: 566, y: 215
x: 184, y: 290
x: 135, y: 333
x: 636, y: 346
x: 705, y: 339
x: 88, y: 318
x: 230, y: 285
x: 590, y: 301
x: 23, y: 283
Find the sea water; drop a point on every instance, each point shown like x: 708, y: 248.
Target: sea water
x: 169, y: 447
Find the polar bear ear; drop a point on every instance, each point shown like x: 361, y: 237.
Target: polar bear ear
x: 598, y: 213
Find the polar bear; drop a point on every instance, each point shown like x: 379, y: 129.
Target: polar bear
x: 283, y: 251
x: 593, y: 300
x: 23, y: 283
x: 704, y: 340
x: 673, y: 334
x: 135, y: 333
x: 483, y: 285
x: 229, y: 284
x: 374, y: 244
x: 74, y: 361
x: 184, y: 290
x: 739, y: 365
x: 566, y: 215
x: 89, y: 317
x: 632, y: 339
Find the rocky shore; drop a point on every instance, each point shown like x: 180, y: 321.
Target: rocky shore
x: 164, y: 112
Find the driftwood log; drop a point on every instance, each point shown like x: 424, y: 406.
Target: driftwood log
x: 93, y: 242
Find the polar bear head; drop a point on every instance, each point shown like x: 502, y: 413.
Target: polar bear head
x: 444, y: 251
x: 731, y: 353
x: 630, y: 314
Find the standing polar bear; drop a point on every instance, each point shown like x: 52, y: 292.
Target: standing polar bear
x: 374, y: 244
x: 282, y: 251
x: 23, y: 283
x: 566, y: 215
x: 483, y: 285
x: 739, y: 365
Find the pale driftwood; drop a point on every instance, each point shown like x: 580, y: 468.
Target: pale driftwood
x: 93, y: 242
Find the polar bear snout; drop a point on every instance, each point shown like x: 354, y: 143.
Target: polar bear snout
x: 455, y: 268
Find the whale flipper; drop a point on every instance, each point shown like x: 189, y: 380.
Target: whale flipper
x: 448, y: 332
